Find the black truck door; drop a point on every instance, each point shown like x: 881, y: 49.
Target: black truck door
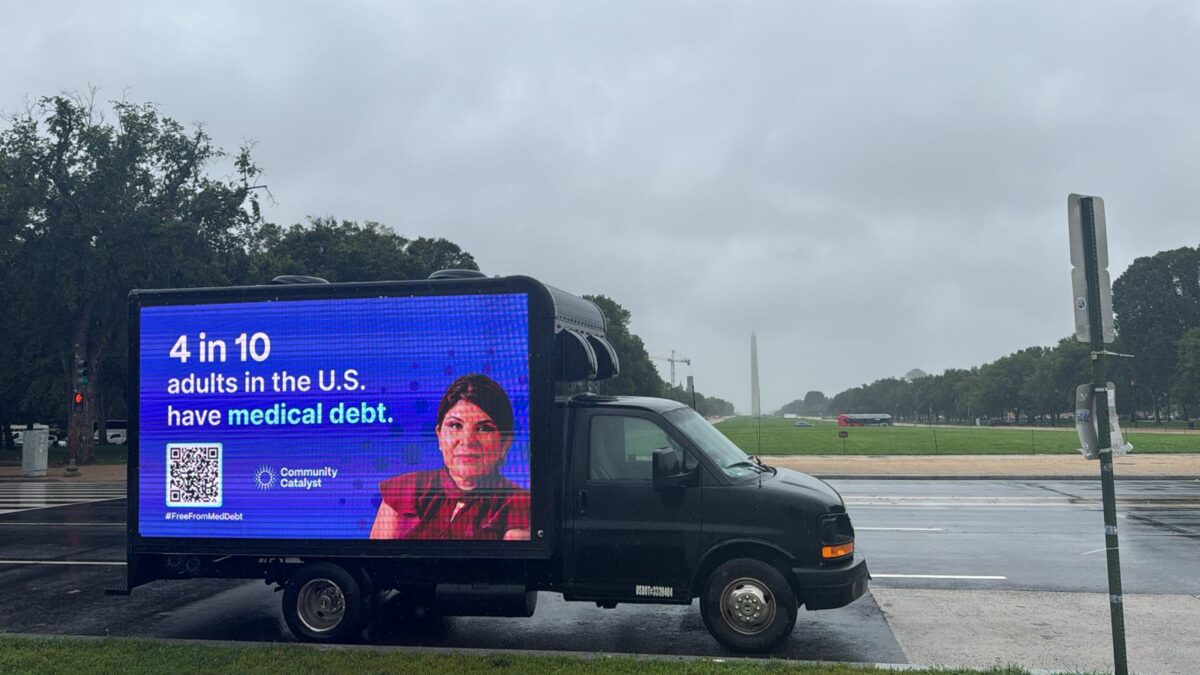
x: 629, y: 540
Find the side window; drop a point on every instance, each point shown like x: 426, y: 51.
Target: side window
x: 620, y: 448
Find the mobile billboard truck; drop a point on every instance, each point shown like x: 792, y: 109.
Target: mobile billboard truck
x: 402, y: 442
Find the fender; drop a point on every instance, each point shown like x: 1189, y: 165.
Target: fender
x: 748, y: 544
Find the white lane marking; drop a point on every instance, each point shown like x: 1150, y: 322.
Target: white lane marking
x: 902, y: 529
x: 60, y: 562
x: 937, y: 576
x: 59, y: 506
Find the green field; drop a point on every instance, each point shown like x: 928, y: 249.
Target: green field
x: 67, y: 655
x: 781, y: 437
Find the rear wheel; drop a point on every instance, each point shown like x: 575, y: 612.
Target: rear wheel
x: 748, y: 606
x: 323, y: 602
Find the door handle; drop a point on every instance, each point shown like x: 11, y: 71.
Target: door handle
x: 582, y: 502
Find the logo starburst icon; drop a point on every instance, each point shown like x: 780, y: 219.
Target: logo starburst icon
x: 264, y: 477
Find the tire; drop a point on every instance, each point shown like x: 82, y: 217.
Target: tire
x: 325, y: 603
x: 748, y: 605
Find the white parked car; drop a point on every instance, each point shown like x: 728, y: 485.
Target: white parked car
x: 116, y: 432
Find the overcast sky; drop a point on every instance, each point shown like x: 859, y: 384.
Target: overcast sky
x: 871, y: 187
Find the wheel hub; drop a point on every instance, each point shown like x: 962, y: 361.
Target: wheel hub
x: 321, y: 605
x: 747, y: 606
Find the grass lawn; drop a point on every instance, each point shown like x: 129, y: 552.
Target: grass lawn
x: 781, y: 437
x: 67, y: 655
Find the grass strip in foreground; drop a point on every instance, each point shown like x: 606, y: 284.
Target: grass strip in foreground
x: 114, y: 655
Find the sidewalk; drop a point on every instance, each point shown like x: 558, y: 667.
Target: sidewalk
x: 1178, y: 466
x: 87, y: 473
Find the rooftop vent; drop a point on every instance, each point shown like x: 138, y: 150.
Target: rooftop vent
x: 457, y: 274
x: 297, y: 279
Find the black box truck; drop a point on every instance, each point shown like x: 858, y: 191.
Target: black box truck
x: 411, y: 441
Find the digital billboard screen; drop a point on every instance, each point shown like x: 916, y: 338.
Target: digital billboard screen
x: 385, y: 418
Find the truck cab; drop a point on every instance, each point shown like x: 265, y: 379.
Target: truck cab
x: 664, y: 508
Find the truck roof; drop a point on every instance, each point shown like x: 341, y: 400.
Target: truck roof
x: 658, y: 405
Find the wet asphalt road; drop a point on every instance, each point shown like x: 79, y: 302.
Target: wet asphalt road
x: 984, y: 535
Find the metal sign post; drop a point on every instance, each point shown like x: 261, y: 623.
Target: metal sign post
x: 1085, y: 216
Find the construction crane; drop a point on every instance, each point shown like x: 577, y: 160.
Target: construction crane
x: 673, y: 360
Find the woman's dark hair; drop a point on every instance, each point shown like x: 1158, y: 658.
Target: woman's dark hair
x: 483, y: 392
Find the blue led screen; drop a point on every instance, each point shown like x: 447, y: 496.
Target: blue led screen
x: 367, y: 418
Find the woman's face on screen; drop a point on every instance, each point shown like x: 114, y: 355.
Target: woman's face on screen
x: 471, y: 443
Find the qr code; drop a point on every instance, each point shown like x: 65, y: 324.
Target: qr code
x: 194, y: 474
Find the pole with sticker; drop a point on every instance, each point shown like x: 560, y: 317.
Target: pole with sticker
x: 1094, y: 325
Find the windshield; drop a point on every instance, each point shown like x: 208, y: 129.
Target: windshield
x: 721, y: 450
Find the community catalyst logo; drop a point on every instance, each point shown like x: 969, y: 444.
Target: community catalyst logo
x: 264, y: 477
x: 287, y: 477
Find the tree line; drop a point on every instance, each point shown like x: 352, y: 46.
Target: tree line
x: 639, y: 377
x: 98, y: 200
x: 1157, y: 306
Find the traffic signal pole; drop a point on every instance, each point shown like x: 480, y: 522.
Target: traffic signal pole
x: 1100, y: 384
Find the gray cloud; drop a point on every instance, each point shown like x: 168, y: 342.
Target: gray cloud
x: 871, y: 187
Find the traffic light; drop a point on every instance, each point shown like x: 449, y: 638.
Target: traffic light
x: 81, y: 371
x: 77, y: 400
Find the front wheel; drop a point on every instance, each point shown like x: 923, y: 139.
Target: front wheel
x: 748, y: 606
x: 323, y: 602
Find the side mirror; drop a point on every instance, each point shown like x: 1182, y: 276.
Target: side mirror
x: 666, y: 470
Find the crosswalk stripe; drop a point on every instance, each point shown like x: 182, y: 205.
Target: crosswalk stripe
x: 18, y: 497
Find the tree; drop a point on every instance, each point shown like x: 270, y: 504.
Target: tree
x: 346, y: 251
x: 1156, y: 301
x: 926, y: 396
x: 815, y: 403
x: 97, y: 208
x: 705, y: 405
x: 1000, y: 386
x: 889, y: 395
x: 848, y: 401
x: 638, y: 375
x: 795, y: 407
x: 962, y: 393
x: 1186, y: 389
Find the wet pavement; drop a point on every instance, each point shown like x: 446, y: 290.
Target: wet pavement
x: 59, y: 548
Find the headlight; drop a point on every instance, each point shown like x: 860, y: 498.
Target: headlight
x: 835, y: 536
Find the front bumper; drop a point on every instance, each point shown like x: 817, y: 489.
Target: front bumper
x: 831, y: 587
